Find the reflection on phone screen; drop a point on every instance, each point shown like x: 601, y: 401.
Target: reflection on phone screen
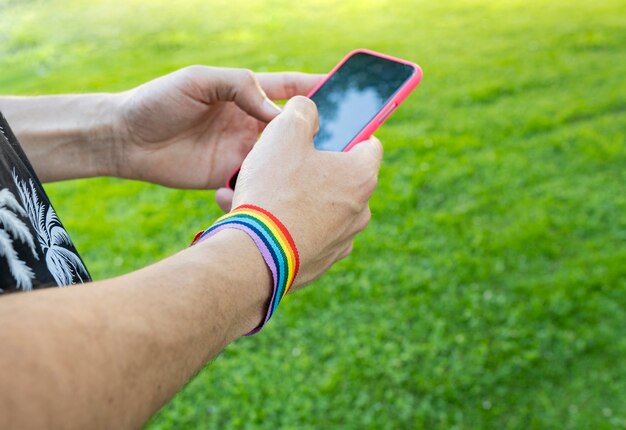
x: 353, y: 95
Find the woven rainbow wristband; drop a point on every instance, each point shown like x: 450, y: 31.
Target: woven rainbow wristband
x: 273, y: 241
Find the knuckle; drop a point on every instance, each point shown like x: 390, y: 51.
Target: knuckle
x: 301, y: 118
x: 366, y: 217
x: 305, y: 105
x: 298, y: 120
x: 365, y: 183
x: 289, y: 83
x: 303, y: 114
x: 356, y: 206
x: 347, y: 251
x: 247, y: 77
x: 370, y: 185
x: 194, y: 72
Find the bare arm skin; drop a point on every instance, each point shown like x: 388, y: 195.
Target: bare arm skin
x: 188, y: 129
x: 109, y: 354
x: 65, y: 136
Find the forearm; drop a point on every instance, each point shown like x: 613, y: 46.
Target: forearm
x: 66, y: 136
x: 110, y: 354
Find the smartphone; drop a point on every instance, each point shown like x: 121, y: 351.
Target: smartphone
x: 356, y: 98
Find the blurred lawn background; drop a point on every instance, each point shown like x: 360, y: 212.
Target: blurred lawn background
x: 489, y: 290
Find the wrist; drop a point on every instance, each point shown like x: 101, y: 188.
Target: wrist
x: 274, y: 243
x: 67, y: 136
x: 232, y: 257
x: 91, y: 133
x: 108, y: 135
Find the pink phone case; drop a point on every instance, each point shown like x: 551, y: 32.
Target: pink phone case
x: 384, y: 113
x: 387, y: 109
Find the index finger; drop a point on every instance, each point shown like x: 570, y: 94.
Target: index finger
x: 285, y: 85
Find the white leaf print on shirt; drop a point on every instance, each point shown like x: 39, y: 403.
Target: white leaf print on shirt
x: 11, y: 227
x: 62, y: 263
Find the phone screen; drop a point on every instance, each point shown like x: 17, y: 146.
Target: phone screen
x: 357, y: 91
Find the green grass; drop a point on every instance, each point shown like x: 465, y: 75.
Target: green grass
x: 489, y: 290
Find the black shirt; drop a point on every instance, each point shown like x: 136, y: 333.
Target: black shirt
x: 35, y: 249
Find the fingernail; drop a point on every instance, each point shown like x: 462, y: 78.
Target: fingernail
x: 270, y: 106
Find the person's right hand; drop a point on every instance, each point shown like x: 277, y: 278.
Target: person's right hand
x: 320, y: 196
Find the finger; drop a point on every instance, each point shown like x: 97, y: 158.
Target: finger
x: 298, y: 122
x: 224, y: 199
x: 285, y: 85
x: 364, y: 219
x: 368, y: 152
x: 239, y: 86
x: 346, y: 251
x: 365, y: 159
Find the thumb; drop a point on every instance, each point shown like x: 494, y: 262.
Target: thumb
x: 297, y: 124
x: 242, y: 87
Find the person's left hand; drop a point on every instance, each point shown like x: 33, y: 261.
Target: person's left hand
x: 192, y: 128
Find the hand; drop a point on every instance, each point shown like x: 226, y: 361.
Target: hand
x: 320, y: 196
x: 193, y: 128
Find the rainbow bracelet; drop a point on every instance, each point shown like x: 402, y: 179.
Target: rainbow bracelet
x: 273, y: 241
